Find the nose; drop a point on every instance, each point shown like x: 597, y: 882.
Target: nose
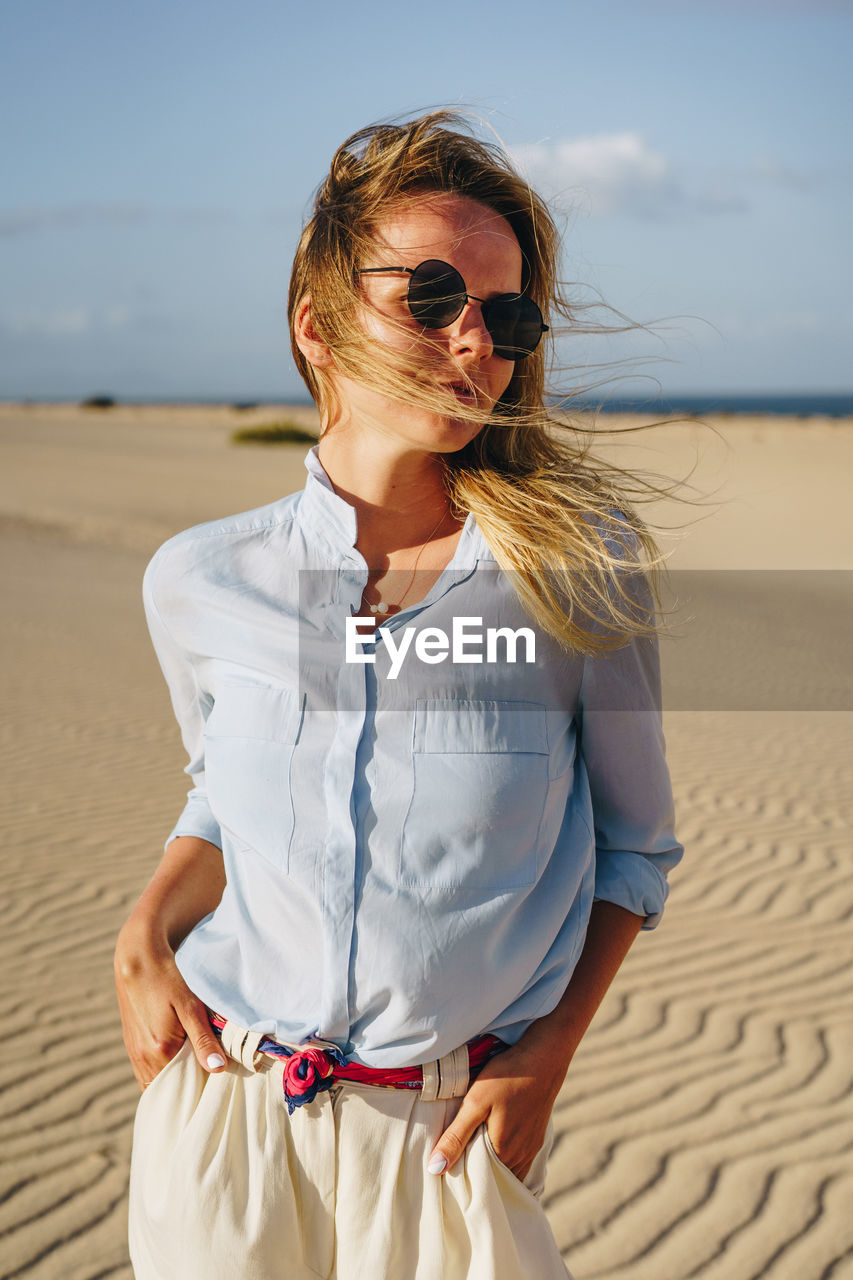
x: 468, y: 332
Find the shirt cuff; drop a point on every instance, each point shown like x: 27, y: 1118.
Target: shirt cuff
x: 631, y: 881
x: 197, y: 820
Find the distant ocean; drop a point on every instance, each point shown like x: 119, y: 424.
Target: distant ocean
x: 789, y: 406
x: 839, y: 405
x: 805, y: 405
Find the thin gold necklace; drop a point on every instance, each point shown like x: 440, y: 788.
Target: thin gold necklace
x: 382, y: 606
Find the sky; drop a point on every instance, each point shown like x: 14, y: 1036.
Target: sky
x: 158, y: 160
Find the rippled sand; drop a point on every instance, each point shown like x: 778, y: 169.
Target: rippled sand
x: 706, y: 1126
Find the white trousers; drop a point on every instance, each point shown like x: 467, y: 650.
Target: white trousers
x: 225, y: 1184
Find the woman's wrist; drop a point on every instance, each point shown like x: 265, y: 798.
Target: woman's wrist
x: 545, y: 1052
x: 551, y: 1041
x: 143, y: 939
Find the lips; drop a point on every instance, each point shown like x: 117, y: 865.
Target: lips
x: 463, y: 391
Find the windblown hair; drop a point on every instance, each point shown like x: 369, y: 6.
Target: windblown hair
x: 562, y: 525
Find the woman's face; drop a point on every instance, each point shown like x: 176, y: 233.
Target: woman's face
x: 482, y: 247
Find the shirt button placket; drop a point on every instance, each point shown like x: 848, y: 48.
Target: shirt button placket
x: 339, y: 860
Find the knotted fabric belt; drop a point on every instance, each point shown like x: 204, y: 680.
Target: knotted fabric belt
x: 309, y: 1069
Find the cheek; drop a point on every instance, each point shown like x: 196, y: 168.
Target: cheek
x: 503, y: 377
x: 423, y: 354
x: 388, y: 329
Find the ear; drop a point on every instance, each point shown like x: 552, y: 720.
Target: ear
x: 313, y: 348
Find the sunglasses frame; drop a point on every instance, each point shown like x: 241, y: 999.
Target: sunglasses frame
x: 466, y: 298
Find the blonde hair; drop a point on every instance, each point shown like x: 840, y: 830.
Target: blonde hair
x: 562, y: 525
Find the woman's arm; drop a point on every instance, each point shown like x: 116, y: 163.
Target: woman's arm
x: 515, y: 1092
x: 158, y: 1010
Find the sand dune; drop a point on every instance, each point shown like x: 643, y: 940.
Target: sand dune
x: 706, y: 1126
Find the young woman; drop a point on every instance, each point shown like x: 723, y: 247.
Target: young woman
x: 430, y: 808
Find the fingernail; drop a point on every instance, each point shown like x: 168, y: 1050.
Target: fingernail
x: 215, y: 1061
x: 437, y: 1164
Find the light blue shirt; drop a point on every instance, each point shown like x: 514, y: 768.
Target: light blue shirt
x: 411, y: 859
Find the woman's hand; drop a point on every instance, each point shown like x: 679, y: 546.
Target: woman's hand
x: 515, y: 1092
x: 158, y: 1010
x: 513, y: 1096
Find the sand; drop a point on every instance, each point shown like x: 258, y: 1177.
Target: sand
x: 706, y: 1125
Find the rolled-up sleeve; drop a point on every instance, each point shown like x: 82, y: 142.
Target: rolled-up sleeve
x: 191, y: 706
x: 623, y: 748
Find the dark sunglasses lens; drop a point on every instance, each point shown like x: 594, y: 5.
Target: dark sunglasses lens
x: 515, y: 325
x: 436, y: 294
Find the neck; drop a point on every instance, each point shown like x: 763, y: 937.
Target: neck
x: 398, y: 494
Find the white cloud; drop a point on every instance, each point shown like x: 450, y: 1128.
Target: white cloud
x: 772, y: 9
x: 15, y: 222
x: 40, y: 218
x: 622, y: 173
x: 50, y: 323
x: 787, y: 8
x: 605, y: 173
x: 769, y: 169
x: 117, y: 317
x: 64, y: 322
x: 778, y: 325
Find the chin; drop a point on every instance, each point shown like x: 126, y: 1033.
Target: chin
x: 452, y: 434
x: 431, y: 432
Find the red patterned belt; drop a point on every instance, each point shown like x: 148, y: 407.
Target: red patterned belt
x: 311, y: 1070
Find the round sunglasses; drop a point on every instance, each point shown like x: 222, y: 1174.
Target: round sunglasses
x: 436, y: 296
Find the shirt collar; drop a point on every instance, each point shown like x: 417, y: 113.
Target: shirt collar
x: 324, y: 511
x: 328, y: 514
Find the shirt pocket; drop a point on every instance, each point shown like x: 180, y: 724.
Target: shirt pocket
x: 249, y: 740
x: 479, y: 787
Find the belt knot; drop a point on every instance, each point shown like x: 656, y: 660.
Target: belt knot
x: 307, y: 1072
